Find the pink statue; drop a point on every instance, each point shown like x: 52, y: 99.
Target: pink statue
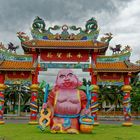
x: 67, y: 102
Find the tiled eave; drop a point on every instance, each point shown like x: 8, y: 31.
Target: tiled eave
x: 16, y: 66
x: 116, y: 70
x: 116, y: 67
x: 62, y: 44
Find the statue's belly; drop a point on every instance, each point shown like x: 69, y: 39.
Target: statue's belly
x: 67, y: 104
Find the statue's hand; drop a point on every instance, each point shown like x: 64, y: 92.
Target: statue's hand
x: 48, y: 105
x: 85, y: 111
x: 44, y: 105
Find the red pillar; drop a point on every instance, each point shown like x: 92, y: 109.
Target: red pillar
x: 126, y: 101
x: 34, y: 56
x: 34, y: 93
x: 2, y: 88
x: 94, y: 101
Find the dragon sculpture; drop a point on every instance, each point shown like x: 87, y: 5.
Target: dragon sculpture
x: 127, y: 48
x: 12, y: 48
x: 22, y: 36
x: 2, y: 47
x: 107, y: 37
x: 38, y: 24
x: 117, y: 49
x: 39, y: 31
x: 91, y: 30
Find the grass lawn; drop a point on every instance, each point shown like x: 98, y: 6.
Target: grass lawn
x: 102, y: 132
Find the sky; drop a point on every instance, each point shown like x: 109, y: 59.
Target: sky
x: 120, y: 17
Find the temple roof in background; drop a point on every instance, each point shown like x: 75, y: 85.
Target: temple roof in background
x: 115, y: 63
x: 64, y: 37
x: 13, y: 62
x: 125, y: 66
x: 16, y: 66
x: 69, y: 38
x: 65, y: 44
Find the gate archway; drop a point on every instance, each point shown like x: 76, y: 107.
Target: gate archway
x: 74, y: 47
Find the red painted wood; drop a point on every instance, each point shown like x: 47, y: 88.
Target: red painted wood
x: 35, y: 78
x: 65, y: 55
x: 35, y: 56
x: 126, y: 80
x: 94, y: 99
x: 93, y: 79
x: 2, y: 78
x: 33, y: 114
x: 94, y: 57
x: 18, y: 74
x: 110, y: 76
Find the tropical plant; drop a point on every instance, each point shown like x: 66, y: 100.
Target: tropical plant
x: 110, y: 94
x: 15, y: 93
x: 40, y: 98
x: 135, y: 94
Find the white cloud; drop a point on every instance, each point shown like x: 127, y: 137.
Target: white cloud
x: 126, y: 29
x: 121, y: 17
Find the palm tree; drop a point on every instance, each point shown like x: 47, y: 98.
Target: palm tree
x: 40, y: 98
x: 112, y: 95
x: 17, y: 93
x: 11, y: 97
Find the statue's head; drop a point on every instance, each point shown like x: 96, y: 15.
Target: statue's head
x: 66, y: 79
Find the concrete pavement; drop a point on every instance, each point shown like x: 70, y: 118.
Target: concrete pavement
x: 102, y: 120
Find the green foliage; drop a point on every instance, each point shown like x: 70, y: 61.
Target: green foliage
x: 135, y: 94
x: 40, y: 97
x: 114, y: 95
x: 42, y: 84
x: 12, y: 95
x: 111, y: 94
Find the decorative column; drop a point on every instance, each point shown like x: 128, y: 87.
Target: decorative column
x: 2, y: 88
x: 33, y: 103
x: 94, y: 101
x: 126, y: 102
x: 34, y: 90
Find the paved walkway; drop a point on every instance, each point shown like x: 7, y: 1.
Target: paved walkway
x: 26, y: 120
x: 135, y: 122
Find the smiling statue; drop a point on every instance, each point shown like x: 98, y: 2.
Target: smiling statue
x: 67, y: 102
